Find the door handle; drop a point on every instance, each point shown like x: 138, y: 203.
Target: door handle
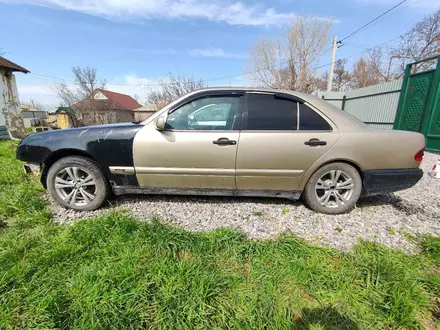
x: 225, y: 142
x: 315, y: 143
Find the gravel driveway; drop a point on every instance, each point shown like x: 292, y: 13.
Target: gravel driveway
x: 384, y: 219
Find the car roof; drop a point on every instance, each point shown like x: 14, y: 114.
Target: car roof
x: 343, y: 121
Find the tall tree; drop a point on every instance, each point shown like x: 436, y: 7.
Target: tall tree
x: 289, y: 62
x: 77, y: 97
x: 341, y: 77
x: 422, y: 41
x: 173, y: 87
x: 364, y: 74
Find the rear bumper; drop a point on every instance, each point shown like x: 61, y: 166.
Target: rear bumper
x: 386, y: 181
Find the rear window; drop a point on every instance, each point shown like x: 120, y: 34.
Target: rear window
x: 310, y: 120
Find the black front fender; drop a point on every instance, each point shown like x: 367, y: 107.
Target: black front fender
x: 108, y: 145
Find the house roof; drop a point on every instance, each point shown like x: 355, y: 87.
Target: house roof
x: 126, y: 102
x: 11, y: 65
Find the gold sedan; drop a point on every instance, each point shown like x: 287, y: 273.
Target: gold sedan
x: 230, y: 142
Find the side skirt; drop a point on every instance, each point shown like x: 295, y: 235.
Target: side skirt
x: 126, y: 190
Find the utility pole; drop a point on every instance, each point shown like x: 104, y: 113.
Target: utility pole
x: 229, y: 80
x: 332, y: 65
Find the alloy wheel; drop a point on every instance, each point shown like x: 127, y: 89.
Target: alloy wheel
x: 75, y: 185
x: 334, y: 189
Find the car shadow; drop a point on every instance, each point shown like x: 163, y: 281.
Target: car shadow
x: 326, y: 318
x: 364, y: 202
x: 133, y: 198
x: 376, y: 200
x: 394, y: 201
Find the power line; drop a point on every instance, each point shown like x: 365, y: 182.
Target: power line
x: 224, y: 77
x: 38, y: 75
x: 364, y: 51
x: 395, y: 12
x: 372, y: 21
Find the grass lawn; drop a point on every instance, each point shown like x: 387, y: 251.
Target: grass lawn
x: 116, y: 273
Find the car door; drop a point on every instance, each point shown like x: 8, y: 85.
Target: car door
x: 198, y: 147
x: 281, y: 138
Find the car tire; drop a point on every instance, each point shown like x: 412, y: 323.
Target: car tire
x: 333, y: 189
x: 78, y: 183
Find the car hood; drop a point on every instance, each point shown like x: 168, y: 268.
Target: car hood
x: 80, y: 131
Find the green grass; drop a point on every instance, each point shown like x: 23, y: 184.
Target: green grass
x: 116, y: 273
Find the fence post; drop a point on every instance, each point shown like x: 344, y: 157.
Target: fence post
x: 344, y: 98
x: 402, y: 97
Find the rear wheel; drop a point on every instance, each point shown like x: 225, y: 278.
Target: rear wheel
x: 77, y: 183
x: 333, y: 189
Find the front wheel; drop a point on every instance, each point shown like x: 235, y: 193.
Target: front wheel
x: 77, y: 183
x: 333, y: 189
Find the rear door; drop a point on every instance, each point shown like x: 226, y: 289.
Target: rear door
x: 281, y: 138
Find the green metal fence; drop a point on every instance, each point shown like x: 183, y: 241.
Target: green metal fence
x: 374, y: 105
x: 419, y: 104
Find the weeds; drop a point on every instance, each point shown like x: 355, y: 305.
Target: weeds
x: 113, y: 272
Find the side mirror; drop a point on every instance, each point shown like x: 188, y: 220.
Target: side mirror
x: 160, y: 122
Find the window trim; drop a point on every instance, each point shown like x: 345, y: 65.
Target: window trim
x: 275, y: 95
x: 234, y: 93
x: 332, y: 125
x: 293, y: 98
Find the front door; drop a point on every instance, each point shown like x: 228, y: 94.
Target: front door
x: 196, y: 150
x: 280, y: 140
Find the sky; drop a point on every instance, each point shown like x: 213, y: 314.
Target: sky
x: 132, y: 43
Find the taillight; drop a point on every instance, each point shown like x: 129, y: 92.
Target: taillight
x: 418, y: 157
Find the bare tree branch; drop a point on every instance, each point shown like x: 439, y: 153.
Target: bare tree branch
x: 289, y: 63
x: 79, y: 96
x: 422, y: 41
x: 173, y: 87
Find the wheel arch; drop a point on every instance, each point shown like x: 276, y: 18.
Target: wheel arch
x: 315, y: 168
x: 53, y: 157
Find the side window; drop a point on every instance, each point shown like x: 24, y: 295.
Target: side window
x: 266, y: 112
x: 309, y: 120
x: 208, y: 113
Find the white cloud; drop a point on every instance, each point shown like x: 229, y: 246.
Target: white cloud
x: 214, y: 52
x: 225, y: 11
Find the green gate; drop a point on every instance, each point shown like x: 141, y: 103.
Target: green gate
x: 419, y: 104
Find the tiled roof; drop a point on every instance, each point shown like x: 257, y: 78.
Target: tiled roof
x: 124, y: 101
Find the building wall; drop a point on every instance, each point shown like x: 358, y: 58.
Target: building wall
x: 3, y: 132
x: 142, y: 115
x: 108, y: 117
x: 32, y: 118
x: 100, y: 96
x: 10, y: 112
x: 124, y: 116
x: 63, y: 120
